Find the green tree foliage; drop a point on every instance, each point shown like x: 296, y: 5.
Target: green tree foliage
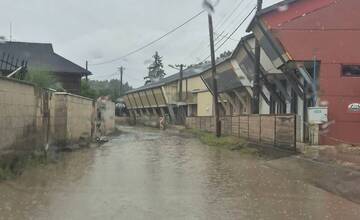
x: 225, y: 54
x: 86, y: 90
x: 94, y: 88
x: 43, y: 79
x: 156, y: 69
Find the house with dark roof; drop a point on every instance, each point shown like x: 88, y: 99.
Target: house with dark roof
x: 41, y: 57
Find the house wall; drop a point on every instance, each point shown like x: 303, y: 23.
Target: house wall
x: 171, y: 92
x: 144, y: 99
x: 151, y: 98
x: 205, y: 104
x: 333, y: 39
x: 192, y: 84
x: 71, y: 82
x: 338, y: 92
x: 160, y: 96
x: 134, y: 102
x: 127, y: 102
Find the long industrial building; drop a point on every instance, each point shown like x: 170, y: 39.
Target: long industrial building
x: 309, y: 67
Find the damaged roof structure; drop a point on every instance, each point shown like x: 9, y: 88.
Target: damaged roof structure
x: 308, y: 58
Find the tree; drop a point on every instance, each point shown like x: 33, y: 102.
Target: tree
x: 225, y: 54
x: 156, y: 70
x: 86, y: 90
x: 94, y: 89
x: 43, y: 79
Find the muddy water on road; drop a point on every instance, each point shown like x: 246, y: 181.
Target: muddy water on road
x: 146, y: 174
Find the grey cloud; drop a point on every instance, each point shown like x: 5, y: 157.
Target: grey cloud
x: 100, y: 30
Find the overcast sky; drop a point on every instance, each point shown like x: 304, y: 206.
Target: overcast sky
x: 98, y: 31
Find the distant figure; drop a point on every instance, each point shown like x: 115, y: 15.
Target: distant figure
x: 162, y: 123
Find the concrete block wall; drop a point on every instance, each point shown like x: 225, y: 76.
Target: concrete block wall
x: 31, y: 117
x: 73, y: 117
x: 20, y: 116
x: 58, y: 115
x: 107, y: 109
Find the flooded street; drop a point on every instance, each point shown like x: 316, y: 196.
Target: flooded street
x: 147, y: 174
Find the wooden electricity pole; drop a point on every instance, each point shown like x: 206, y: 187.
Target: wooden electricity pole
x: 181, y: 82
x: 213, y: 75
x: 121, y: 69
x: 257, y: 86
x: 86, y: 66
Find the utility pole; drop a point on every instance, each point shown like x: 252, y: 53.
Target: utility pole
x: 10, y: 31
x: 180, y: 68
x: 213, y: 75
x: 181, y: 82
x: 86, y: 65
x: 257, y: 86
x: 121, y: 80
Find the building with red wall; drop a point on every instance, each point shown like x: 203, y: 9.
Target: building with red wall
x: 323, y: 37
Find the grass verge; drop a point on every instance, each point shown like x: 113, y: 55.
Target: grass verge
x: 230, y: 142
x: 14, y: 165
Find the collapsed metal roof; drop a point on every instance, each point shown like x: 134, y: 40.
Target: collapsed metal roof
x: 190, y: 72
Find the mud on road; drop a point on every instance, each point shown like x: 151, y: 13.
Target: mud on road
x: 150, y: 174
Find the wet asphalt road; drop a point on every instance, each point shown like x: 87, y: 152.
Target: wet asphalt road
x: 147, y: 174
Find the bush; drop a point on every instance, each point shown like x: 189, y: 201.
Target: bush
x: 87, y: 91
x: 43, y: 79
x: 15, y: 166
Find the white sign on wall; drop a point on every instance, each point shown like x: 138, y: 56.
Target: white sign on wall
x: 317, y: 115
x: 354, y: 107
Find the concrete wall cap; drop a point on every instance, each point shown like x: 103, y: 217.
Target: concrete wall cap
x: 73, y: 95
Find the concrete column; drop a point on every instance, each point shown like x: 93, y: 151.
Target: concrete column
x: 147, y: 112
x: 139, y: 112
x: 154, y: 111
x: 133, y: 116
x: 171, y: 112
x: 162, y: 111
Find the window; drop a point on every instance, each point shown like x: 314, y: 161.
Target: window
x: 351, y: 70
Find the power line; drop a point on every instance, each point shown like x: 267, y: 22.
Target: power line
x: 237, y: 28
x: 219, y: 41
x: 233, y: 39
x: 227, y: 36
x: 229, y: 15
x: 224, y: 23
x: 237, y: 15
x: 152, y: 42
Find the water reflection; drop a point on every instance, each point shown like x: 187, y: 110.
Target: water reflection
x: 146, y: 174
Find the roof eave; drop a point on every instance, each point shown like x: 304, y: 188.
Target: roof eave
x: 267, y: 10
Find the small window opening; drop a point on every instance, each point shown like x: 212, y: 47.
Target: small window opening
x: 351, y: 70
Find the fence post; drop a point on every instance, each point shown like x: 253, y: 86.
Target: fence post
x: 260, y: 129
x: 200, y: 123
x: 239, y: 126
x: 295, y: 131
x: 275, y: 130
x: 248, y: 127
